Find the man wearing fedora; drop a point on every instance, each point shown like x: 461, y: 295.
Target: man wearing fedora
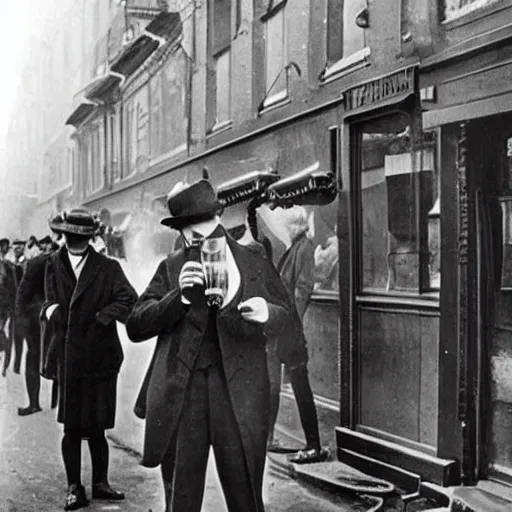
x: 207, y: 384
x: 86, y: 293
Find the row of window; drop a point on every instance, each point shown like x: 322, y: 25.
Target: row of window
x: 148, y: 125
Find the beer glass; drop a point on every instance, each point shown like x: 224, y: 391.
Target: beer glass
x: 213, y: 257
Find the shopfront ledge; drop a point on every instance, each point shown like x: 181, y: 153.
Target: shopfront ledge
x: 470, y: 46
x: 345, y: 66
x: 376, y: 456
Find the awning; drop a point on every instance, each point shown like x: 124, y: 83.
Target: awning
x: 81, y: 112
x: 166, y: 26
x: 245, y: 187
x: 101, y: 87
x: 309, y: 186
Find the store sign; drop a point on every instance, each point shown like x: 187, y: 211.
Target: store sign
x: 380, y: 89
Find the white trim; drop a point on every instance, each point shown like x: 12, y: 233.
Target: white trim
x: 280, y: 97
x: 173, y: 152
x: 347, y: 65
x: 159, y: 39
x: 220, y: 127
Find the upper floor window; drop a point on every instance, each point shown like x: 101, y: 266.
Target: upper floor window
x: 276, y: 82
x: 456, y: 8
x: 136, y: 133
x: 346, y: 41
x: 224, y: 15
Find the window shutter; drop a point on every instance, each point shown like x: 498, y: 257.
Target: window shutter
x: 221, y: 25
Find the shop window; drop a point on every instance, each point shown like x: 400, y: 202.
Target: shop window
x: 346, y: 42
x: 454, y: 9
x: 136, y: 133
x: 399, y: 201
x: 275, y: 57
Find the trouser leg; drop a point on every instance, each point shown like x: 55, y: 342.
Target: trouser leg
x: 71, y: 455
x: 8, y: 343
x: 32, y: 377
x: 186, y: 460
x: 274, y: 374
x: 18, y: 339
x: 229, y: 452
x: 305, y: 403
x: 98, y: 448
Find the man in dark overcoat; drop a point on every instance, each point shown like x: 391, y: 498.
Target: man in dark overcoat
x: 29, y: 300
x: 207, y: 385
x: 86, y: 293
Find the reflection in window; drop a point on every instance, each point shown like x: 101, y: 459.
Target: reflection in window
x: 399, y: 208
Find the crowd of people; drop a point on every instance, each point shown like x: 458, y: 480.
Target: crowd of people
x: 213, y: 381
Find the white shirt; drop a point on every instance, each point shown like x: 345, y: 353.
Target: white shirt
x: 77, y: 263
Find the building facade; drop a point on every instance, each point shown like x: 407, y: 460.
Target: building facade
x: 407, y: 104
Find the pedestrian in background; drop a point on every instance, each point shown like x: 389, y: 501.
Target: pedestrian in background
x: 32, y: 249
x: 7, y: 294
x: 86, y: 293
x: 14, y: 265
x: 296, y: 269
x: 207, y: 385
x: 29, y: 300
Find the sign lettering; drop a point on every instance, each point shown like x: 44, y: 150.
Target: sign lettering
x: 380, y: 89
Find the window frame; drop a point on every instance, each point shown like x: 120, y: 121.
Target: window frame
x: 214, y: 52
x: 281, y: 97
x: 423, y: 289
x: 347, y: 63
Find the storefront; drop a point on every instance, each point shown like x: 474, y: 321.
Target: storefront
x: 476, y: 144
x: 392, y: 390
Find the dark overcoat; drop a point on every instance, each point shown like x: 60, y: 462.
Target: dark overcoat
x: 90, y: 354
x: 180, y: 329
x: 296, y: 269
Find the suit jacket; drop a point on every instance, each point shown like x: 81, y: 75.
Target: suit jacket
x: 180, y: 329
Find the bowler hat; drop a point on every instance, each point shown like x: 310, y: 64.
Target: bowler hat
x: 17, y: 241
x: 5, y: 241
x: 77, y: 221
x: 190, y: 204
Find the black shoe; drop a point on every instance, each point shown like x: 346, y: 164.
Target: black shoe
x: 31, y: 409
x: 76, y: 498
x: 103, y: 491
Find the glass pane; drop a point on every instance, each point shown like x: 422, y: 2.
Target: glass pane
x: 275, y: 53
x: 390, y: 252
x: 223, y: 87
x: 353, y: 36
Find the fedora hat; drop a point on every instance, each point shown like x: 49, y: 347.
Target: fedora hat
x: 191, y: 203
x: 77, y: 221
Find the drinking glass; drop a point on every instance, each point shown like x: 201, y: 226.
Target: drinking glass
x: 213, y: 257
